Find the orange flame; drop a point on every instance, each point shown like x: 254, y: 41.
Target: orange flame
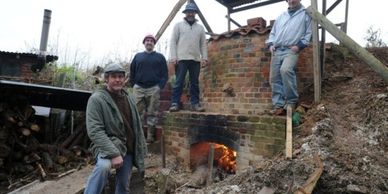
x: 227, y: 160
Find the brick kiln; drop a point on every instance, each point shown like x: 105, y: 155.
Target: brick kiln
x: 236, y: 94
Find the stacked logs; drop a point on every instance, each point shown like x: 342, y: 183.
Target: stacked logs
x: 24, y: 156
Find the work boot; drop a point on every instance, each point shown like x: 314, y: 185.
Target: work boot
x: 151, y: 134
x: 174, y: 108
x: 197, y: 108
x: 278, y: 111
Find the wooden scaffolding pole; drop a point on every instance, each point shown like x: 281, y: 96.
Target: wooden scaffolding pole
x: 170, y: 17
x: 316, y: 57
x: 355, y: 48
x: 203, y: 19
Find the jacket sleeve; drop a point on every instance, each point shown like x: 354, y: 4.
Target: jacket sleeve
x: 96, y: 129
x: 164, y: 72
x: 174, y: 42
x: 272, y: 34
x: 307, y: 35
x: 203, y: 45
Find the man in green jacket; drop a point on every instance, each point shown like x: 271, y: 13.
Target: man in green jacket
x: 114, y: 127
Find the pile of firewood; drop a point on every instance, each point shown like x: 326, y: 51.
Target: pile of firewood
x: 24, y: 156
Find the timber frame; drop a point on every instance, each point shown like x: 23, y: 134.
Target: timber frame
x: 234, y: 6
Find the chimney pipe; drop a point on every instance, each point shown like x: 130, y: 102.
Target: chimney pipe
x: 38, y: 66
x: 45, y: 31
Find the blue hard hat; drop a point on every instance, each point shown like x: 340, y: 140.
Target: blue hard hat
x: 190, y: 7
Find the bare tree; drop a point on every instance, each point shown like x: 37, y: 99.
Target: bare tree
x: 373, y: 38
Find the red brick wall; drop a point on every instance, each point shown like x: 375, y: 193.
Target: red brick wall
x: 242, y: 62
x: 26, y: 71
x: 252, y: 137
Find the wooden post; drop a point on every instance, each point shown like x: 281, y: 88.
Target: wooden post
x: 163, y: 150
x: 323, y: 42
x: 209, y: 179
x: 289, y: 133
x: 170, y: 17
x: 233, y: 21
x: 228, y: 19
x: 349, y: 43
x: 316, y: 58
x: 346, y: 16
x: 203, y: 19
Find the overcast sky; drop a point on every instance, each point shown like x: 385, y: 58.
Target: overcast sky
x: 98, y: 30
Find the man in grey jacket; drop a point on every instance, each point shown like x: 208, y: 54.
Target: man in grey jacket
x: 290, y: 34
x: 188, y: 51
x: 114, y: 127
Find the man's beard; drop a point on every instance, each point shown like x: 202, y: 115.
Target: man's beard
x: 190, y: 18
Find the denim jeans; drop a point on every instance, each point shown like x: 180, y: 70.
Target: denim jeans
x: 283, y: 78
x: 181, y: 69
x: 97, y: 180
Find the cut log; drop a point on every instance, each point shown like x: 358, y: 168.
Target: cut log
x: 78, y: 140
x: 25, y: 131
x: 35, y: 127
x: 41, y: 171
x: 48, y: 161
x: 77, y: 132
x: 309, y: 185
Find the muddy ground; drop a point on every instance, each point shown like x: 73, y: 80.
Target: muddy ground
x: 347, y: 130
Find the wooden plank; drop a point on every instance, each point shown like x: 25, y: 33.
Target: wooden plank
x: 163, y: 149
x: 289, y: 133
x: 309, y: 185
x: 349, y: 43
x: 209, y: 179
x: 316, y: 57
x: 170, y: 17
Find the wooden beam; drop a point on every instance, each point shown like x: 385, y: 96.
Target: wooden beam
x: 316, y: 57
x: 228, y: 16
x: 203, y: 19
x: 333, y: 6
x: 355, y: 48
x: 233, y: 21
x: 170, y: 17
x: 323, y: 42
x: 346, y: 16
x: 289, y: 133
x: 163, y: 149
x: 251, y: 6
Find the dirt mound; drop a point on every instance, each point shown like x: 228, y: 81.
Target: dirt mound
x: 348, y: 130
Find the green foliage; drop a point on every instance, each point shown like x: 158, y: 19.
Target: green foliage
x: 68, y: 76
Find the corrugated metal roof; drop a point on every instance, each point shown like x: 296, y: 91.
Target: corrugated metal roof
x: 49, y: 58
x: 235, y: 3
x: 48, y: 96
